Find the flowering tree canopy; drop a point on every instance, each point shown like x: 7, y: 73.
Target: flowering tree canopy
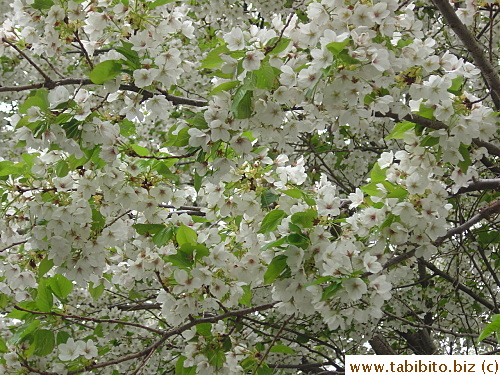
x: 246, y: 187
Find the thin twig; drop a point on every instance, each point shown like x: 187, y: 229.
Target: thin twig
x: 52, y: 66
x: 458, y: 285
x: 13, y: 244
x: 95, y: 320
x: 48, y: 80
x: 275, y: 338
x: 87, y: 57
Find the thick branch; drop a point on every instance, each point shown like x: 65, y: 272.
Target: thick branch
x: 492, y: 149
x: 486, y: 184
x: 472, y: 45
x: 380, y: 345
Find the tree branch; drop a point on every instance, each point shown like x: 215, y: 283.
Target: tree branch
x: 12, y: 245
x: 459, y: 286
x: 484, y: 184
x: 95, y: 320
x: 492, y: 209
x: 380, y: 345
x: 433, y: 328
x: 48, y: 80
x: 171, y: 333
x: 85, y: 81
x: 275, y: 338
x: 472, y: 45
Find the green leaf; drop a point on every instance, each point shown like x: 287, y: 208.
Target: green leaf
x: 398, y: 193
x: 62, y: 168
x: 246, y: 298
x: 429, y: 141
x: 187, y: 254
x: 127, y: 128
x: 163, y: 169
x: 44, y: 300
x: 38, y: 98
x: 60, y: 286
x: 213, y: 59
x: 275, y: 268
x: 3, y: 346
x: 373, y: 190
x: 163, y: 236
x: 265, y: 370
x: 305, y: 219
x: 62, y: 337
x: 97, y: 291
x: 456, y: 85
x: 388, y: 221
x: 148, y: 228
x: 294, y: 228
x: 216, y: 357
x: 105, y: 71
x: 299, y: 240
x: 133, y: 60
x: 320, y: 280
x: 98, y: 221
x: 23, y: 331
x: 8, y: 168
x: 185, y: 235
x: 337, y: 47
x: 265, y: 76
x: 180, y: 139
x: 294, y: 193
x: 226, y: 86
x: 45, y: 266
x: 44, y: 342
x: 400, y: 129
x: 31, y: 348
x: 278, y: 47
x: 248, y: 363
x: 276, y: 243
x: 42, y: 4
x: 268, y: 198
x: 464, y: 164
x: 331, y: 289
x: 158, y: 3
x: 493, y: 327
x: 181, y: 370
x: 282, y: 349
x: 139, y: 150
x: 377, y: 174
x: 4, y: 301
x: 204, y: 329
x: 181, y: 259
x: 271, y: 221
x: 197, y: 181
x: 425, y: 111
x: 242, y: 103
x: 347, y: 59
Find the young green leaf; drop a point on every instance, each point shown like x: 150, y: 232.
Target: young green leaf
x: 271, y: 221
x: 105, y: 71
